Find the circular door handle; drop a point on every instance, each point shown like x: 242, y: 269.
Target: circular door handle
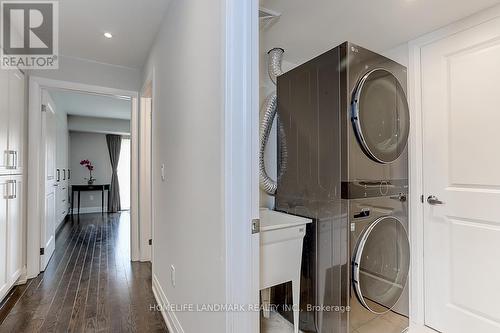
x: 433, y: 200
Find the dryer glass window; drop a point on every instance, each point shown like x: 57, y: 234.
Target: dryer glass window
x: 381, y: 264
x: 381, y: 116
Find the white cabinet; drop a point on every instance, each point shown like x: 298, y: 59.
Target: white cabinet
x: 12, y: 141
x: 4, y: 284
x: 4, y: 120
x: 16, y: 119
x: 11, y: 231
x: 12, y: 119
x: 15, y: 229
x: 62, y: 163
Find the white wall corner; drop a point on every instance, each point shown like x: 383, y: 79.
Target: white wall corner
x: 173, y: 324
x: 241, y: 162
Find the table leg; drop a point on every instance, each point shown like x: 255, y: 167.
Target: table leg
x: 72, y: 203
x: 102, y: 201
x: 79, y: 202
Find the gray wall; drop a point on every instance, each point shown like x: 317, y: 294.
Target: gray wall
x: 93, y: 147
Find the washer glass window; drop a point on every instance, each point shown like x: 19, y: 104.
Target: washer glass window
x: 381, y: 264
x: 380, y: 116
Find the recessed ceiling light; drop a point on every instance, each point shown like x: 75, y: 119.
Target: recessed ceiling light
x: 108, y: 35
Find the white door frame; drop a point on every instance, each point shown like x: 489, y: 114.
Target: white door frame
x: 241, y: 140
x: 35, y: 167
x: 417, y: 300
x: 146, y: 226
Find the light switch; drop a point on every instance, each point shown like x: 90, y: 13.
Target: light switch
x: 172, y: 275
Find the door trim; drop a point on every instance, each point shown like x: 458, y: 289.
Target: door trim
x: 146, y: 207
x: 240, y: 160
x: 35, y: 195
x: 416, y: 212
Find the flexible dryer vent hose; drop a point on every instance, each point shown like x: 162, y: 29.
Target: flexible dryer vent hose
x: 270, y: 109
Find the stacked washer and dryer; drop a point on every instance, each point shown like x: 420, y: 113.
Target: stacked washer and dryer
x: 345, y: 122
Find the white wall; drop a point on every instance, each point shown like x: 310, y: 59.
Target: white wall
x: 99, y: 125
x: 399, y: 54
x: 93, y: 147
x: 93, y: 73
x: 188, y: 134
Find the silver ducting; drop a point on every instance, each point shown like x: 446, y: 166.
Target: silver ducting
x: 270, y: 110
x: 274, y: 63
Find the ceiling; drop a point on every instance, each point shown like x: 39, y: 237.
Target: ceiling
x: 133, y: 23
x: 308, y: 28
x: 90, y: 105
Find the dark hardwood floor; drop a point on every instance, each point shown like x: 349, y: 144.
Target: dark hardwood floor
x: 90, y: 285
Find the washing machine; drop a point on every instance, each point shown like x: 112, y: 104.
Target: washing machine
x: 345, y: 122
x: 380, y: 264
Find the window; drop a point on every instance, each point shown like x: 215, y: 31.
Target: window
x: 124, y: 174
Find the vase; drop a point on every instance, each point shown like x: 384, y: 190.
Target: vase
x: 91, y: 179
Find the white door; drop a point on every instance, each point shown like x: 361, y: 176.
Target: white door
x: 14, y: 229
x: 16, y: 118
x: 461, y: 119
x: 49, y: 222
x: 4, y: 188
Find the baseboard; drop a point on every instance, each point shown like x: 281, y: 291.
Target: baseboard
x: 415, y: 328
x: 62, y: 223
x: 23, y: 278
x: 169, y: 316
x: 87, y: 210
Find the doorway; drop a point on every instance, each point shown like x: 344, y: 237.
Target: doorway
x: 80, y: 168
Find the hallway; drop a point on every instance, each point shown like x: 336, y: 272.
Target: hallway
x: 90, y: 284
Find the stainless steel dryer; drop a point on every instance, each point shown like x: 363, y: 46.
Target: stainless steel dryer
x: 377, y: 124
x: 345, y: 121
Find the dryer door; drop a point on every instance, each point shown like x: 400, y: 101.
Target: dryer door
x: 380, y: 116
x: 381, y: 264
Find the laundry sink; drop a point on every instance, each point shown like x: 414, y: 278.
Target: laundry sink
x: 281, y: 239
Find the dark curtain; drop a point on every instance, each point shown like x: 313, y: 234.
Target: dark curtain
x: 114, y: 145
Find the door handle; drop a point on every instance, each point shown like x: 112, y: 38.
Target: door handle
x: 11, y: 159
x: 433, y: 200
x: 11, y: 189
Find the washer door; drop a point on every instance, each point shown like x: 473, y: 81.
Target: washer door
x: 381, y: 264
x: 380, y: 116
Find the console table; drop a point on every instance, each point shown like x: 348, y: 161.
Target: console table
x: 88, y: 188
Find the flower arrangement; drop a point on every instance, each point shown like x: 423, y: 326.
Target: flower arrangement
x: 88, y: 165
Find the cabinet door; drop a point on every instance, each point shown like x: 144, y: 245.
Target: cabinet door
x: 4, y: 285
x: 4, y: 120
x: 16, y: 117
x: 14, y: 230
